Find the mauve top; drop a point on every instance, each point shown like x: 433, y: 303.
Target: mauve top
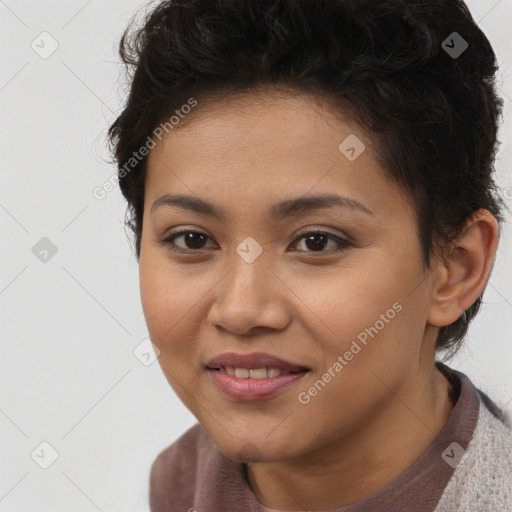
x: 193, y: 475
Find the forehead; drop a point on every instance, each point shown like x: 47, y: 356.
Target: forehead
x: 268, y: 145
x: 257, y: 118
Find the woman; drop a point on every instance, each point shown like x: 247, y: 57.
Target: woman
x: 311, y: 191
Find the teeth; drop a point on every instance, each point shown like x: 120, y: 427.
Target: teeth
x: 256, y: 373
x: 242, y: 373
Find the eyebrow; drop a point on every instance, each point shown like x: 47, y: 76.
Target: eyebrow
x: 278, y: 211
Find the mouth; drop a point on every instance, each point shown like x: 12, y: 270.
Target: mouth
x: 231, y: 362
x: 252, y: 373
x: 245, y: 377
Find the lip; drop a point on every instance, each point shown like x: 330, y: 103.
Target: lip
x: 241, y: 389
x: 253, y: 361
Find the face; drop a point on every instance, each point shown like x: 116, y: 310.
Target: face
x: 262, y: 271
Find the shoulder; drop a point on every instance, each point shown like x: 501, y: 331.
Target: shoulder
x: 174, y: 472
x: 482, y: 479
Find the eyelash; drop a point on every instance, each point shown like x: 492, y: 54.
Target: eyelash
x: 169, y: 242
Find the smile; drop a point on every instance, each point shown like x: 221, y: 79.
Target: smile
x: 252, y: 373
x: 255, y: 376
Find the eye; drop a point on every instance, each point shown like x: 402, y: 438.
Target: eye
x: 314, y: 241
x: 193, y: 241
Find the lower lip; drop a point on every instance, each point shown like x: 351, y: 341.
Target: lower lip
x: 253, y: 389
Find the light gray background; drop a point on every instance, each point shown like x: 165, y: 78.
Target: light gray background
x: 68, y: 373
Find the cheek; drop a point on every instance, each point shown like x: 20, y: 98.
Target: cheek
x: 363, y: 370
x: 162, y: 298
x: 153, y: 297
x: 376, y: 323
x: 170, y: 318
x: 173, y: 308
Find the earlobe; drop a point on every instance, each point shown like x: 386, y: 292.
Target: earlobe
x: 461, y: 276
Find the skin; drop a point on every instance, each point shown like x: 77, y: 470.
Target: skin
x: 301, y: 303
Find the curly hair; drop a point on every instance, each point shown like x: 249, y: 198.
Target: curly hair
x: 384, y: 63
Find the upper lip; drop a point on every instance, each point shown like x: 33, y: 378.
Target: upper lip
x: 253, y: 361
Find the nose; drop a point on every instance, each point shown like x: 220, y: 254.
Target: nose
x: 250, y: 298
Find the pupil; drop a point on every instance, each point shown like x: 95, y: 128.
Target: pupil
x: 315, y: 244
x: 189, y: 240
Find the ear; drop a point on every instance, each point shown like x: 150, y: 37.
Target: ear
x: 461, y: 276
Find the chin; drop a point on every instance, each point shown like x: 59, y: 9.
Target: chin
x: 254, y: 449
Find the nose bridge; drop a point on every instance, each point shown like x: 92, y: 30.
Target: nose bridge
x: 248, y: 276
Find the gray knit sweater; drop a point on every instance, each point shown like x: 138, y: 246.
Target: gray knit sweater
x: 490, y: 488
